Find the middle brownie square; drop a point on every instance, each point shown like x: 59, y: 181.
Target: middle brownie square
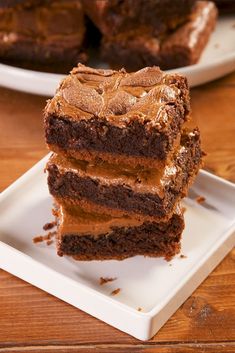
x: 121, y: 189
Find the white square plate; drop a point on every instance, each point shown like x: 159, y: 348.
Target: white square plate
x: 156, y: 286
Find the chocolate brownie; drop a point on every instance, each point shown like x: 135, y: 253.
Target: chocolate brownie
x: 158, y: 16
x: 225, y: 6
x: 120, y: 189
x: 20, y: 3
x: 95, y: 236
x: 114, y: 115
x: 136, y: 49
x: 46, y: 33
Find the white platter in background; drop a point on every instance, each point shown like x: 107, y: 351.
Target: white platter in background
x: 155, y: 285
x: 218, y: 59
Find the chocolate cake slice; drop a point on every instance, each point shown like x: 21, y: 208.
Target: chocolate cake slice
x: 121, y: 189
x: 115, y: 115
x: 96, y: 236
x: 115, y: 16
x: 135, y: 49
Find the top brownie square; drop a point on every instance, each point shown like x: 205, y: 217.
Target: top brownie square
x: 114, y: 114
x: 159, y: 16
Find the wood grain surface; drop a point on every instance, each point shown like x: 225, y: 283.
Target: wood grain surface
x: 34, y: 321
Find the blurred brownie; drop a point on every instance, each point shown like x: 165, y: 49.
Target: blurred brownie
x: 97, y: 236
x: 119, y: 189
x: 114, y: 115
x: 225, y: 6
x: 42, y: 32
x: 183, y: 46
x: 158, y: 16
x: 20, y: 3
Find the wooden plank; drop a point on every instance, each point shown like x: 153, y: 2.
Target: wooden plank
x: 214, y: 113
x: 224, y: 347
x: 21, y: 134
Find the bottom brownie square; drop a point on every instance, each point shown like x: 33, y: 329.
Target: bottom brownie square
x: 94, y: 236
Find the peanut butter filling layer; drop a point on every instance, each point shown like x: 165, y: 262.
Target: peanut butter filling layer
x: 76, y: 220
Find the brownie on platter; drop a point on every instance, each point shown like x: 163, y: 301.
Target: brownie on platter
x: 114, y: 115
x: 183, y: 46
x: 19, y: 3
x: 158, y: 16
x: 225, y: 6
x: 34, y: 33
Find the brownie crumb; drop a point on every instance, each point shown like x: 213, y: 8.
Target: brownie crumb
x: 47, y: 238
x: 49, y: 235
x: 38, y: 239
x: 49, y: 242
x: 183, y: 256
x: 49, y: 225
x: 139, y: 309
x: 216, y: 45
x: 55, y: 212
x: 233, y: 25
x: 104, y: 280
x: 115, y: 291
x: 200, y: 199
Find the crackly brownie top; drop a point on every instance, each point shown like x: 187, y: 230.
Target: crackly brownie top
x: 120, y: 98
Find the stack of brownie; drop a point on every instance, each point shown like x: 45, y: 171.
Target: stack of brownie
x: 123, y: 158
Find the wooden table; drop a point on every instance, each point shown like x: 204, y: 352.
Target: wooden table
x: 32, y: 319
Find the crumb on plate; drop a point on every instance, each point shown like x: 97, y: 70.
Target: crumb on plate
x: 200, y: 199
x: 49, y: 225
x: 115, y: 291
x: 104, y: 280
x: 49, y: 242
x: 38, y: 239
x: 41, y: 238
